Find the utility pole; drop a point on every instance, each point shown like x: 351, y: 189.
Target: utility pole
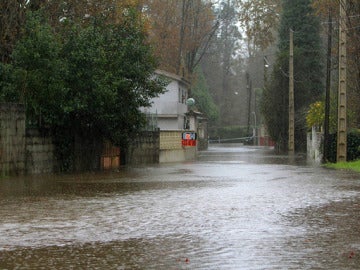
x: 291, y: 96
x: 342, y: 125
x: 327, y: 91
x: 249, y: 88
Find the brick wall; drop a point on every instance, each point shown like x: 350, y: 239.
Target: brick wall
x: 170, y: 139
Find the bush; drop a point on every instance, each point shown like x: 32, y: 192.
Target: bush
x: 353, y: 146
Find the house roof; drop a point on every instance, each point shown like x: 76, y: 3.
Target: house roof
x: 197, y: 114
x: 172, y: 76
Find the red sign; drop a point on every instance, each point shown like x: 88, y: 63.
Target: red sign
x: 189, y: 139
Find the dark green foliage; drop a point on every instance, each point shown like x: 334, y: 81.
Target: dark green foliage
x: 110, y: 70
x: 353, y: 146
x: 87, y: 83
x: 37, y: 73
x: 203, y: 100
x: 308, y: 75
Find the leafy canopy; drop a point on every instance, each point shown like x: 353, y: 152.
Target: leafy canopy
x: 203, y: 99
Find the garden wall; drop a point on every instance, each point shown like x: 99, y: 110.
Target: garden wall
x: 22, y: 153
x: 12, y: 139
x: 144, y: 149
x: 39, y: 153
x: 314, y: 139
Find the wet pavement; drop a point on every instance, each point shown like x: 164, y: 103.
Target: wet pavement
x: 236, y: 207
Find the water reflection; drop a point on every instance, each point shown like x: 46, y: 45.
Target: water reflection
x: 234, y: 208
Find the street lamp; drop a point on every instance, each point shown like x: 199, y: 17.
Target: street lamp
x: 266, y: 62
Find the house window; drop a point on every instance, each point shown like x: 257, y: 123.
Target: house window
x: 182, y: 95
x: 186, y: 123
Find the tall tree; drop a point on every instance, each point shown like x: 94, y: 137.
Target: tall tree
x: 223, y: 66
x: 180, y: 33
x: 203, y: 100
x: 229, y: 36
x: 299, y: 17
x: 259, y: 20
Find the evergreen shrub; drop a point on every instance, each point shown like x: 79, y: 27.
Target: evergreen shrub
x: 353, y: 146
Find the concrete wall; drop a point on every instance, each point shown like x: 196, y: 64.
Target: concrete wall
x: 39, y: 153
x: 144, y: 149
x: 22, y: 153
x: 12, y: 139
x: 314, y: 139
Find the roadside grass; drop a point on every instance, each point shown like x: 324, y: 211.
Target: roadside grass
x: 353, y: 165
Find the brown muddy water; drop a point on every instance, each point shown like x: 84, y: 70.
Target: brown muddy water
x: 235, y: 207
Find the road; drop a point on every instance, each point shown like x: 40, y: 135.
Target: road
x: 235, y: 207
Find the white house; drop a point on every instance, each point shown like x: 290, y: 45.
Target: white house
x: 170, y: 108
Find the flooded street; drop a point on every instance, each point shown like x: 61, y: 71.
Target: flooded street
x: 236, y: 207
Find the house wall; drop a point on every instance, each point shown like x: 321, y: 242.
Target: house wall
x: 170, y: 107
x: 167, y: 103
x: 167, y: 123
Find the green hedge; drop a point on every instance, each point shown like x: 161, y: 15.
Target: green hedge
x: 353, y: 146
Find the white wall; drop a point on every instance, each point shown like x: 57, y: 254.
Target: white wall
x: 170, y: 107
x: 313, y: 145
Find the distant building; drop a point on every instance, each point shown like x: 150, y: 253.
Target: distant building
x: 171, y: 115
x: 170, y: 108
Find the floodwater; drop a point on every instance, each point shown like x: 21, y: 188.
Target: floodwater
x: 236, y: 207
